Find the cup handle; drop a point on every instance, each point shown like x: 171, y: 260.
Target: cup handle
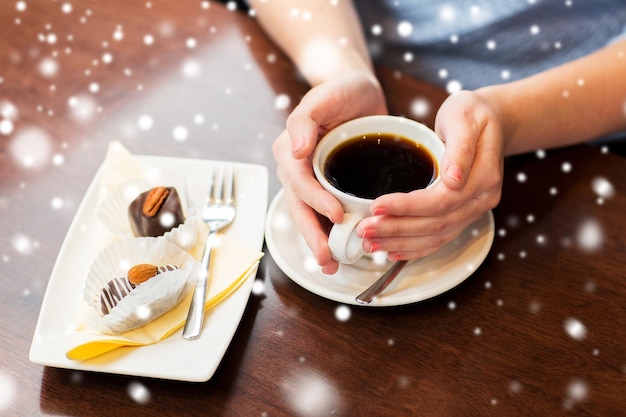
x: 345, y: 246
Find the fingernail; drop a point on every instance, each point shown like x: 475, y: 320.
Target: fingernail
x: 455, y: 173
x: 380, y: 211
x: 394, y: 257
x: 368, y: 232
x: 374, y: 247
x: 329, y: 217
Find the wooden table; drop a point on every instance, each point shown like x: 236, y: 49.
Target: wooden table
x: 539, y: 329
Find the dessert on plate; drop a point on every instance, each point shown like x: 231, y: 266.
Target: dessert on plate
x: 134, y: 281
x: 155, y: 212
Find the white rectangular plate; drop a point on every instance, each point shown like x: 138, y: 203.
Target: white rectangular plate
x: 173, y: 358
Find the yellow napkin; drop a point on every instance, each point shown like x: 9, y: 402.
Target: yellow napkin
x: 231, y: 266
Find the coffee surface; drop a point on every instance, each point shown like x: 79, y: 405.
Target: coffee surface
x: 371, y: 165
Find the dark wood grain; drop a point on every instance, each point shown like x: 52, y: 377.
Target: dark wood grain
x: 495, y: 345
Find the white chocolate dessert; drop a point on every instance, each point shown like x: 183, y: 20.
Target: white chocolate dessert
x: 123, y: 298
x: 118, y: 288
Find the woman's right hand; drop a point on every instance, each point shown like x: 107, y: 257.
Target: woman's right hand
x: 325, y: 106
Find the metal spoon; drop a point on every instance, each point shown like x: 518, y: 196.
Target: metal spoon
x: 381, y: 283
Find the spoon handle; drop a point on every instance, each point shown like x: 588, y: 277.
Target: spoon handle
x: 381, y: 283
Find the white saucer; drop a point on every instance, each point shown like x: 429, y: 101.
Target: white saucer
x: 420, y: 280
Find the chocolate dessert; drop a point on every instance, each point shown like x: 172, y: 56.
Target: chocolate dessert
x: 118, y: 288
x: 115, y: 290
x: 155, y: 212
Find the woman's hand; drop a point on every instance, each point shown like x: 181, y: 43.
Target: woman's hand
x: 329, y: 104
x: 416, y: 224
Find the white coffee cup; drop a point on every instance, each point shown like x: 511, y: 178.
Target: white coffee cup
x: 345, y: 246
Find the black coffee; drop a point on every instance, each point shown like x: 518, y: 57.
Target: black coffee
x: 371, y: 165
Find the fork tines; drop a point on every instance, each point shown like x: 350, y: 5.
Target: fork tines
x: 221, y: 184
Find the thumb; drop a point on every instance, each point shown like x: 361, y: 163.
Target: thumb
x: 457, y: 160
x: 303, y: 132
x: 460, y: 134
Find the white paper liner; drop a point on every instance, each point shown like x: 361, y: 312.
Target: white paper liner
x: 109, y: 212
x: 119, y: 166
x: 148, y: 300
x: 113, y: 211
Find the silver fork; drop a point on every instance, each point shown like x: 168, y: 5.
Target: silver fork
x: 218, y: 212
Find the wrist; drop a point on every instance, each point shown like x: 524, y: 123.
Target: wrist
x: 496, y: 97
x: 323, y: 62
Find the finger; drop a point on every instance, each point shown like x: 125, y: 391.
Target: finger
x: 381, y: 227
x: 297, y: 176
x: 413, y: 247
x: 311, y: 118
x: 417, y: 248
x: 330, y: 104
x: 460, y: 130
x: 330, y: 268
x: 435, y: 201
x: 389, y: 226
x: 314, y: 233
x: 409, y: 248
x: 303, y: 132
x: 410, y: 255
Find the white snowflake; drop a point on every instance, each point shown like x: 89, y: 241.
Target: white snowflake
x: 31, y: 147
x: 139, y: 393
x: 56, y: 203
x: 8, y: 110
x: 198, y: 119
x: 6, y: 127
x: 23, y: 244
x: 118, y: 35
x: 191, y: 43
x: 447, y: 13
x: 420, y: 107
x: 453, y: 86
x: 145, y: 122
x: 590, y: 235
x: 376, y: 30
x: 107, y: 58
x: 575, y: 328
x: 343, y: 313
x: 577, y: 391
x: 258, y: 288
x: 180, y: 133
x: 405, y: 29
x: 282, y: 102
x: 58, y: 159
x: 566, y: 167
x: 143, y: 312
x: 310, y: 394
x: 7, y: 391
x: 83, y: 108
x: 603, y: 187
x: 191, y: 68
x: 48, y: 67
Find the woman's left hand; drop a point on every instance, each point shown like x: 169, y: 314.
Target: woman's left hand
x: 413, y: 225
